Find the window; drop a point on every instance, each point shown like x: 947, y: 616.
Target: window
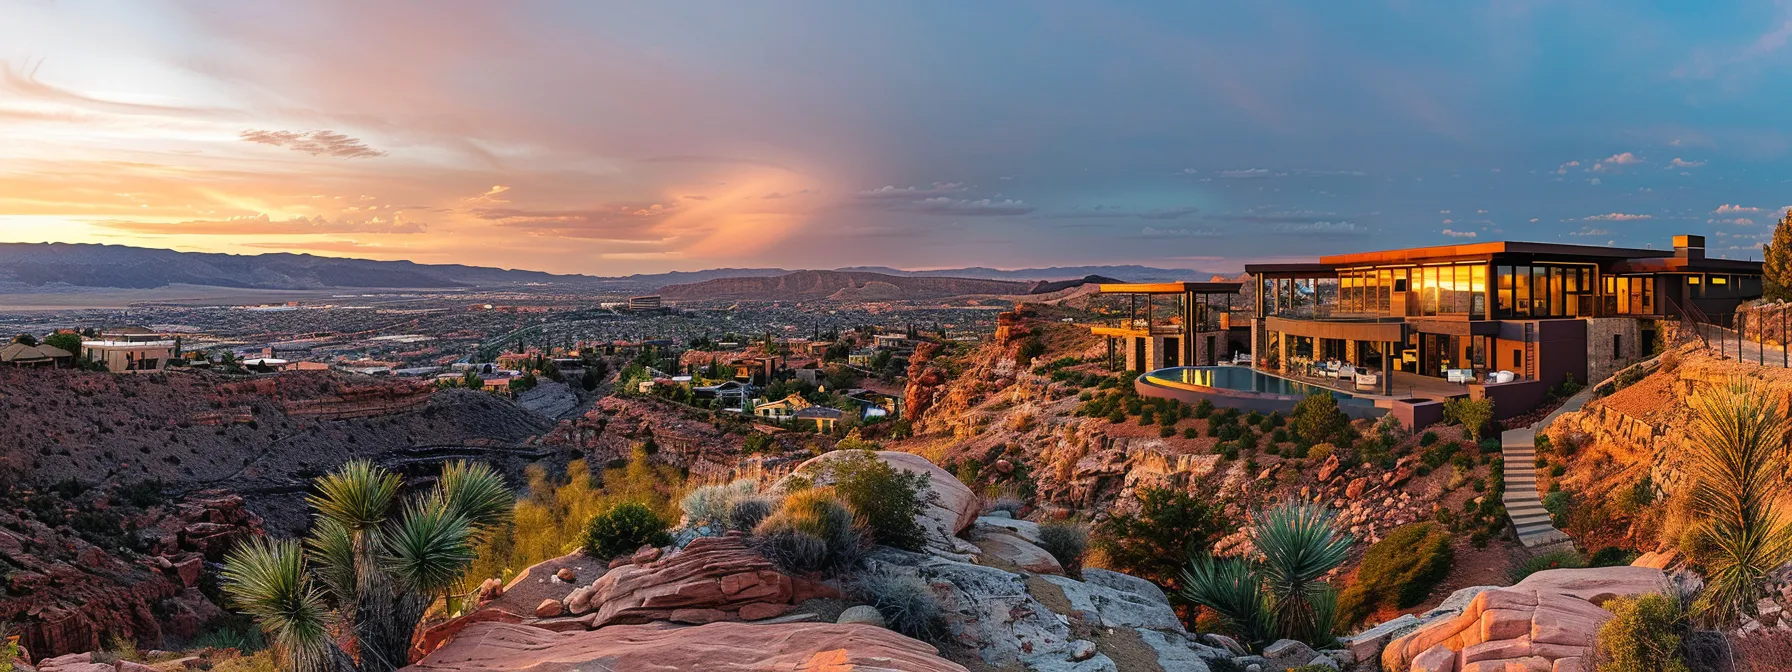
x: 1521, y: 290
x: 1617, y: 347
x: 1503, y: 289
x: 1517, y: 359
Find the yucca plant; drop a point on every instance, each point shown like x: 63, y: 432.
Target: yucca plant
x: 350, y: 598
x: 1738, y: 468
x: 1279, y: 593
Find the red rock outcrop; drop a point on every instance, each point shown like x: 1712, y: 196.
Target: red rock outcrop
x: 924, y: 383
x: 1504, y: 629
x: 717, y: 647
x: 712, y: 579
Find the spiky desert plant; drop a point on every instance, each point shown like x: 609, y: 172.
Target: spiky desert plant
x: 1279, y: 594
x: 380, y: 560
x: 1738, y: 465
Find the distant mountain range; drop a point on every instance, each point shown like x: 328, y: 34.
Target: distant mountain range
x: 47, y: 266
x: 837, y: 285
x: 88, y: 265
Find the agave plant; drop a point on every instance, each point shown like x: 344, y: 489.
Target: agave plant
x: 1738, y: 468
x: 350, y: 598
x: 1280, y: 594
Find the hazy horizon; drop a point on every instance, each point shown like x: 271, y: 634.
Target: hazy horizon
x: 622, y: 139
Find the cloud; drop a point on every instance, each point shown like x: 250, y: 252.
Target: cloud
x: 490, y: 196
x: 1458, y: 234
x: 1617, y: 217
x: 616, y: 223
x: 982, y: 207
x: 1116, y: 212
x: 1585, y: 231
x: 314, y: 143
x: 1682, y: 163
x: 1736, y: 221
x: 264, y: 225
x: 1729, y: 208
x: 1321, y: 228
x: 1150, y: 232
x: 890, y: 192
x: 1619, y: 159
x: 1247, y: 174
x: 1563, y: 169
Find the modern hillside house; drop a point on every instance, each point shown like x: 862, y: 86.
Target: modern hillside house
x: 1170, y: 324
x: 1544, y: 312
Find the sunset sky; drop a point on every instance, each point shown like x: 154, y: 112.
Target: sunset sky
x: 611, y: 138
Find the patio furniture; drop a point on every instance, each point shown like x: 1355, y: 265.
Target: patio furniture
x: 1504, y: 377
x: 1460, y: 376
x: 1346, y: 372
x: 1243, y: 358
x: 1367, y: 381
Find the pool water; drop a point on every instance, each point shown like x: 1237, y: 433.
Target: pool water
x: 1241, y: 379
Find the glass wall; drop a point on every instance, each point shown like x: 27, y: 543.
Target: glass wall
x: 1544, y: 291
x: 1431, y: 290
x: 1630, y: 295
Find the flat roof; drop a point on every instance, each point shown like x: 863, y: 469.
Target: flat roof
x: 1170, y: 287
x: 1489, y: 248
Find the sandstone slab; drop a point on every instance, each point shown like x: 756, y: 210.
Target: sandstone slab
x: 716, y: 647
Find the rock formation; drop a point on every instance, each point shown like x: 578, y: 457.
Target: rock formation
x: 712, y: 579
x: 721, y: 647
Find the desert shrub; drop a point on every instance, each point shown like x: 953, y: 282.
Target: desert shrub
x: 1317, y: 419
x: 1283, y: 594
x: 1550, y: 560
x: 1203, y: 409
x: 1319, y: 451
x: 1489, y: 446
x: 907, y: 603
x: 747, y: 513
x: 714, y: 504
x: 811, y: 530
x: 623, y: 529
x: 1399, y: 571
x: 1559, y: 504
x: 1645, y: 634
x: 1428, y: 438
x: 889, y: 500
x: 1066, y: 541
x: 1280, y: 435
x: 1612, y: 556
x: 1166, y: 431
x: 1190, y: 433
x: 1438, y: 454
x: 1169, y: 526
x: 1472, y: 414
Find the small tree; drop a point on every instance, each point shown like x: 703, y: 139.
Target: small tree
x: 1645, y: 634
x: 1776, y: 260
x: 1317, y: 419
x: 350, y: 598
x: 1154, y: 543
x: 1473, y: 414
x: 68, y: 342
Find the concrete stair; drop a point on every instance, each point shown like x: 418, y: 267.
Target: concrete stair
x: 1523, y: 506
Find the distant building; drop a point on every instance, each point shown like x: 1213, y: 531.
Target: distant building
x: 782, y: 409
x: 19, y: 354
x: 129, y: 350
x: 861, y: 358
x: 756, y: 370
x: 649, y: 302
x: 824, y: 417
x: 892, y: 342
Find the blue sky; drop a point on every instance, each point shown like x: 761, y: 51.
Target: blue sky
x: 636, y: 137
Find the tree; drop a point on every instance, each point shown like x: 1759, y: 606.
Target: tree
x: 1776, y: 260
x: 1473, y: 414
x: 1170, y: 526
x: 350, y: 598
x: 25, y: 339
x: 68, y: 342
x: 1738, y: 465
x: 1278, y: 595
x: 1316, y: 420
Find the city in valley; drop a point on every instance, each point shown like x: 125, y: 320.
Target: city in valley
x: 1012, y: 337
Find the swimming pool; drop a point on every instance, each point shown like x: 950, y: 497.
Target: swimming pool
x: 1243, y: 387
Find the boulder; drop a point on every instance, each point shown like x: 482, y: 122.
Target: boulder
x: 987, y: 610
x: 712, y: 573
x: 736, y: 647
x: 1111, y: 608
x: 1286, y: 653
x: 952, y: 508
x: 1515, y: 628
x: 1229, y: 644
x: 1024, y: 529
x: 1597, y: 584
x: 1367, y: 645
x: 861, y: 615
x: 1127, y: 583
x: 566, y: 575
x: 1020, y: 553
x: 549, y: 609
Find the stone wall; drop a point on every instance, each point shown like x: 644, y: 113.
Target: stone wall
x: 1602, y: 360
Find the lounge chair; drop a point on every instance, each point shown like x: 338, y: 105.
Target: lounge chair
x: 1504, y: 377
x: 1460, y: 376
x: 1367, y: 381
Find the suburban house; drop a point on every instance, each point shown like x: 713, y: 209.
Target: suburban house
x: 861, y: 358
x: 824, y: 417
x: 1543, y: 312
x: 874, y: 404
x: 756, y: 370
x: 129, y: 349
x: 731, y: 394
x: 782, y: 409
x: 19, y: 354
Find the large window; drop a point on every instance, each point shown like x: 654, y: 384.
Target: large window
x: 1544, y: 291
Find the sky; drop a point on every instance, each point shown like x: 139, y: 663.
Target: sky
x: 611, y: 138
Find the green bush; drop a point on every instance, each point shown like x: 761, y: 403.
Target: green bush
x: 1166, y: 431
x: 714, y: 504
x: 1612, y: 556
x: 624, y: 528
x: 1170, y: 526
x: 889, y: 500
x: 1550, y: 560
x: 1066, y: 542
x: 1190, y: 433
x: 907, y: 604
x: 1203, y: 409
x: 1399, y: 571
x: 1280, y: 435
x: 1559, y: 504
x: 1317, y: 419
x: 1472, y: 414
x: 1489, y: 446
x: 812, y: 530
x: 1645, y: 634
x: 1428, y: 438
x: 746, y: 514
